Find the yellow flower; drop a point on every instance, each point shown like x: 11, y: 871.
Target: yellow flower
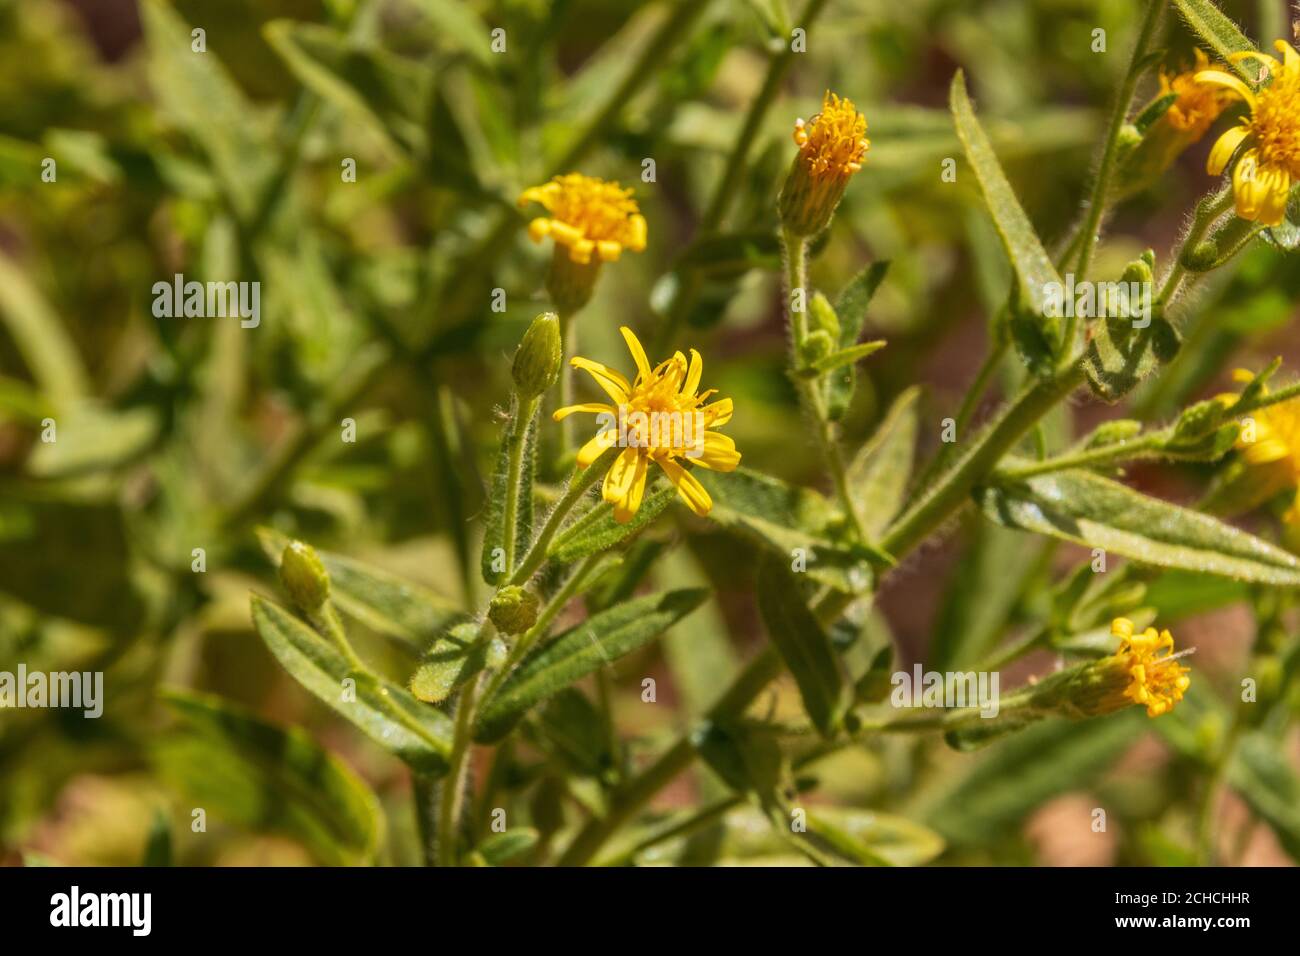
x: 1272, y: 445
x: 1156, y: 679
x: 1199, y: 104
x: 1270, y: 161
x: 832, y: 147
x: 659, y: 417
x: 587, y: 216
x: 834, y: 144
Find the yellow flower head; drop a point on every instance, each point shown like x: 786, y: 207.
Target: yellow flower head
x: 1156, y: 679
x: 1273, y: 442
x: 1270, y: 160
x: 1199, y: 104
x: 587, y: 216
x: 832, y: 147
x: 659, y: 416
x: 833, y: 144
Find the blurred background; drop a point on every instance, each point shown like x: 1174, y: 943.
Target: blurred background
x: 177, y: 434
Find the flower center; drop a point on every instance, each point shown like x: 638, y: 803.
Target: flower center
x: 1276, y: 123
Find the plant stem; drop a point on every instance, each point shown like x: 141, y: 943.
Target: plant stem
x: 796, y: 278
x: 1146, y: 446
x: 569, y: 347
x: 1101, y: 184
x: 424, y: 789
x: 453, y: 784
x: 1208, y: 210
x: 579, y: 482
x: 725, y: 188
x: 519, y: 427
x: 942, y: 499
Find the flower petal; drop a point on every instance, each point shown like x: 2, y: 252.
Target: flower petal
x: 560, y: 414
x: 611, y: 380
x: 719, y: 453
x: 719, y: 413
x: 1224, y: 148
x: 1233, y: 83
x: 693, y: 374
x: 688, y: 487
x: 604, y: 439
x: 621, y: 474
x: 638, y: 353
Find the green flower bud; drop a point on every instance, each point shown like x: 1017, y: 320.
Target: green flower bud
x: 304, y: 577
x: 1113, y: 433
x: 537, y: 360
x: 816, y: 346
x: 823, y: 316
x: 1200, y: 419
x: 1201, y: 257
x: 1139, y: 270
x: 513, y: 609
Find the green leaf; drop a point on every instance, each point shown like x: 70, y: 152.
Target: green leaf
x: 785, y: 518
x: 255, y: 774
x: 494, y: 534
x: 390, y: 605
x: 573, y: 730
x: 746, y: 758
x: 158, y: 847
x: 197, y: 94
x: 453, y: 659
x: 875, y: 839
x: 393, y: 718
x: 802, y: 644
x: 579, y: 651
x: 848, y: 356
x: 1018, y: 775
x: 1116, y: 359
x: 385, y: 91
x: 730, y: 254
x: 1030, y: 261
x: 457, y: 25
x: 91, y: 438
x: 851, y: 310
x: 500, y: 848
x: 40, y: 336
x: 1096, y: 512
x: 598, y: 531
x: 880, y: 471
x: 1219, y: 33
x: 1262, y: 776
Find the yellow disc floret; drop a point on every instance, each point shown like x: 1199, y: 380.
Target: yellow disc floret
x: 588, y: 216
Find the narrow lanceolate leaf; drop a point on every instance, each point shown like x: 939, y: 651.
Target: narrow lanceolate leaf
x: 40, y: 336
x: 388, y: 714
x: 1096, y: 512
x: 802, y: 644
x: 1032, y: 266
x: 245, y: 771
x: 579, y: 651
x: 411, y: 615
x: 598, y: 531
x: 1265, y: 780
x: 848, y: 356
x: 882, y: 468
x: 492, y: 562
x: 1219, y: 33
x: 385, y: 91
x: 500, y: 848
x: 851, y: 310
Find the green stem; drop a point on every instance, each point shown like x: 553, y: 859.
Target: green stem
x: 1208, y: 210
x: 945, y: 497
x: 452, y: 792
x: 581, y: 480
x: 1145, y: 447
x: 326, y: 621
x: 809, y: 389
x: 569, y: 344
x: 524, y: 412
x: 725, y: 189
x: 424, y: 789
x: 1101, y: 184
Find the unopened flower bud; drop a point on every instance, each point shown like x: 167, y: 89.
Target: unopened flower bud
x: 304, y: 577
x: 538, y: 359
x: 513, y: 609
x: 823, y: 316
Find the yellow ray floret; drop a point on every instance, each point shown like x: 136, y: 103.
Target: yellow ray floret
x: 1157, y: 680
x: 1273, y: 442
x: 1199, y: 104
x: 588, y: 216
x: 834, y: 143
x: 1267, y: 141
x: 659, y: 416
